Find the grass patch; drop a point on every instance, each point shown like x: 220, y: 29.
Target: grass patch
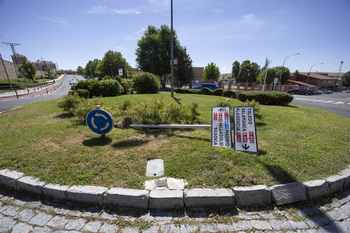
x: 295, y: 144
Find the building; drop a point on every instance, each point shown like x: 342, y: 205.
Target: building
x: 18, y: 59
x: 315, y: 80
x: 198, y: 73
x: 40, y: 65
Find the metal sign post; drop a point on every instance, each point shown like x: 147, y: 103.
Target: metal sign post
x: 245, y: 129
x: 221, y: 135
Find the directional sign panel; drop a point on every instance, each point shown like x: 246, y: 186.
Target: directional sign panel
x: 100, y: 121
x: 221, y: 135
x: 245, y: 129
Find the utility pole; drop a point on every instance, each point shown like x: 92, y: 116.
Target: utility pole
x: 172, y: 52
x: 267, y: 62
x: 16, y: 61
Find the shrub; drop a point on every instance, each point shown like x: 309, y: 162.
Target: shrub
x: 224, y: 103
x: 83, y: 93
x: 107, y: 77
x: 205, y: 91
x: 146, y: 83
x: 110, y: 88
x: 218, y: 92
x: 126, y: 83
x: 266, y: 98
x: 70, y: 102
x: 86, y: 106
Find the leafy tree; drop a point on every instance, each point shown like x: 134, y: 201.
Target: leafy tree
x: 80, y: 70
x: 111, y: 63
x: 93, y: 67
x: 29, y: 68
x: 346, y: 79
x: 184, y: 69
x: 153, y: 53
x: 87, y: 68
x: 273, y: 73
x: 211, y: 71
x: 48, y: 70
x: 243, y: 74
x: 235, y: 70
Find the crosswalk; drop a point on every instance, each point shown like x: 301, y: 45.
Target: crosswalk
x: 322, y: 101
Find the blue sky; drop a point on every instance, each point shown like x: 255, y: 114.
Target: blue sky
x: 73, y: 32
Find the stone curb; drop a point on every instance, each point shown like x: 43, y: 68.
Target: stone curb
x: 171, y: 199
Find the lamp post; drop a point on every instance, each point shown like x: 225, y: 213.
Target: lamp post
x: 41, y: 68
x: 279, y: 81
x: 172, y: 52
x: 111, y: 70
x: 341, y: 79
x: 308, y: 75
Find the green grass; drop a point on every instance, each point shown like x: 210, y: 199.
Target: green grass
x: 295, y: 144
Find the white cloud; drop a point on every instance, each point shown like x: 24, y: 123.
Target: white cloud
x: 126, y: 11
x: 250, y: 20
x: 52, y: 19
x: 218, y: 11
x: 96, y: 10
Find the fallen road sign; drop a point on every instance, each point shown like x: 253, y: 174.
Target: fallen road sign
x: 245, y: 129
x: 221, y: 132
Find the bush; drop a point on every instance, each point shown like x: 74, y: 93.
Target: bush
x: 70, y: 102
x: 218, y: 92
x: 110, y: 88
x: 103, y: 88
x: 107, y: 77
x: 83, y: 93
x: 85, y: 106
x: 126, y: 83
x: 145, y: 83
x: 205, y: 91
x: 266, y: 98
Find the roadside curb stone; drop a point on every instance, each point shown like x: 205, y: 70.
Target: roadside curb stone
x: 288, y: 193
x: 209, y: 197
x: 316, y: 189
x: 346, y: 174
x: 255, y: 195
x: 336, y: 182
x: 55, y: 191
x: 127, y: 198
x: 8, y: 178
x: 86, y: 194
x: 166, y: 199
x: 31, y: 184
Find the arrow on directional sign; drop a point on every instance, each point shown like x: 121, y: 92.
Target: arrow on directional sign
x: 245, y: 146
x: 93, y: 123
x: 221, y: 110
x: 100, y: 115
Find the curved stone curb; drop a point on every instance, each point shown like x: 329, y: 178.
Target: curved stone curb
x: 171, y: 199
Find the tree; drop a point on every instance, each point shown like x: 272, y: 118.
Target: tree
x: 211, y: 71
x: 153, y: 53
x: 254, y: 70
x: 183, y: 69
x: 346, y: 79
x: 29, y: 68
x: 235, y: 70
x: 273, y: 73
x: 111, y: 63
x: 243, y: 74
x: 87, y: 69
x: 80, y: 70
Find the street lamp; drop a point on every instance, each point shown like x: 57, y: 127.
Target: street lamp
x: 41, y: 68
x: 279, y: 82
x: 111, y: 70
x: 308, y: 75
x: 172, y: 52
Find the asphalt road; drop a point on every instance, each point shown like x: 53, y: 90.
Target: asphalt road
x: 64, y: 88
x: 337, y: 102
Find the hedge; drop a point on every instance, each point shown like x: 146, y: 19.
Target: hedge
x: 103, y: 88
x: 266, y: 98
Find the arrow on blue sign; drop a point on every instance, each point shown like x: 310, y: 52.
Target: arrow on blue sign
x: 99, y: 121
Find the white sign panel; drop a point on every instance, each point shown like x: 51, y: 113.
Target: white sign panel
x: 245, y: 129
x: 221, y: 135
x: 120, y: 71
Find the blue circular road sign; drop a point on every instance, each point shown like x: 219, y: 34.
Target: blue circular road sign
x: 100, y: 121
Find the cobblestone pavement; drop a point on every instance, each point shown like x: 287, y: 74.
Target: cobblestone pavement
x: 21, y: 213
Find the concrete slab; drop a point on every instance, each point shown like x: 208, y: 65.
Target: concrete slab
x: 346, y: 174
x: 335, y: 182
x: 55, y: 191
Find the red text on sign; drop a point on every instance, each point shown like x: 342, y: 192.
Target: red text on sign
x: 251, y: 137
x: 238, y: 137
x: 245, y: 137
x: 220, y: 116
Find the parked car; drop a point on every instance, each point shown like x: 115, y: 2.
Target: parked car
x: 316, y: 92
x: 325, y: 91
x: 300, y: 92
x: 72, y: 84
x: 207, y: 85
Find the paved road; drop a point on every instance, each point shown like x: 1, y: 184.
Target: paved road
x: 62, y: 84
x: 338, y: 103
x: 23, y: 214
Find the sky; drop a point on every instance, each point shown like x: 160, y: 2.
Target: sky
x: 70, y: 33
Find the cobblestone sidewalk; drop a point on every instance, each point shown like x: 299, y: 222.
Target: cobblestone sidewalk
x: 20, y: 213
